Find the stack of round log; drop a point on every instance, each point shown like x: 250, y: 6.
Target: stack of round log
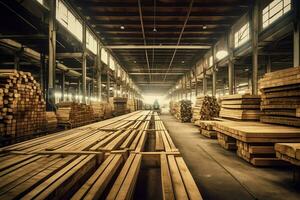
x: 206, y: 108
x: 22, y: 107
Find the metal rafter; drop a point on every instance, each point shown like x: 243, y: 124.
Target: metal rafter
x: 180, y: 36
x: 144, y: 37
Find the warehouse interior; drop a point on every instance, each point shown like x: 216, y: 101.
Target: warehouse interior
x: 150, y: 99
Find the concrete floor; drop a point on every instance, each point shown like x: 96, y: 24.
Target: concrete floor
x: 221, y: 175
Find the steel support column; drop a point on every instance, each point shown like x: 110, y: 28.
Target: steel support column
x: 204, y: 82
x: 269, y: 64
x: 230, y: 77
x: 254, y: 20
x: 230, y: 44
x: 214, y: 73
x: 297, y: 43
x: 84, y: 94
x: 99, y: 68
x: 51, y: 56
x: 196, y: 82
x: 63, y: 79
x: 108, y: 78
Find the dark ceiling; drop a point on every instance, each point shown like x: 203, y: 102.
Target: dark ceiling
x: 206, y: 22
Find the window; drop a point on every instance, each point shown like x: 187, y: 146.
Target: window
x: 40, y: 1
x: 91, y: 42
x: 104, y: 56
x: 221, y: 54
x: 275, y: 10
x: 111, y: 63
x: 66, y: 18
x: 242, y: 35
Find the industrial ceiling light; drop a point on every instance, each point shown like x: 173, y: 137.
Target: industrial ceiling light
x: 134, y: 61
x: 122, y: 27
x: 182, y: 62
x: 221, y: 54
x: 154, y: 29
x: 204, y: 27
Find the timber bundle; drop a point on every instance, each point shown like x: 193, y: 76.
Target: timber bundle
x: 22, y: 107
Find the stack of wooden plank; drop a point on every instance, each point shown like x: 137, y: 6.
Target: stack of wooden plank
x: 255, y: 141
x: 281, y: 97
x: 289, y: 152
x: 119, y: 105
x: 22, y: 107
x: 206, y: 108
x: 184, y: 110
x: 51, y: 121
x: 74, y: 114
x: 131, y: 105
x: 241, y: 107
x: 97, y: 161
x: 98, y: 109
x: 207, y: 128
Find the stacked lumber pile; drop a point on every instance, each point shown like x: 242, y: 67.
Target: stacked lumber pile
x: 289, y: 152
x: 184, y: 110
x: 107, y: 110
x: 74, y: 114
x: 22, y: 107
x: 98, y: 109
x: 51, y: 121
x: 98, y: 161
x: 241, y: 107
x: 207, y: 128
x: 119, y: 105
x: 281, y: 97
x: 131, y: 105
x: 255, y: 141
x: 206, y: 108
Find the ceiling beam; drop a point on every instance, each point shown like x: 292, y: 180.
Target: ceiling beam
x: 158, y: 47
x: 157, y: 74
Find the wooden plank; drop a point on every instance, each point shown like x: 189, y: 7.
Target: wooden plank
x: 179, y: 189
x: 188, y: 180
x: 167, y: 187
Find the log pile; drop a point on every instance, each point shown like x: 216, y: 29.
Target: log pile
x: 281, y: 97
x: 98, y: 161
x: 172, y: 107
x: 206, y: 108
x: 22, y: 107
x: 255, y: 141
x: 74, y: 114
x: 184, y: 110
x: 241, y: 107
x: 51, y: 121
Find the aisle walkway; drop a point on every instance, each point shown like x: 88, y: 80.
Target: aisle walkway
x: 221, y: 175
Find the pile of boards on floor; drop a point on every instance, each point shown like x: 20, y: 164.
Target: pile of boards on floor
x: 103, y: 160
x: 22, y: 106
x: 74, y: 114
x: 119, y: 105
x: 240, y: 107
x: 255, y: 141
x: 281, y: 97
